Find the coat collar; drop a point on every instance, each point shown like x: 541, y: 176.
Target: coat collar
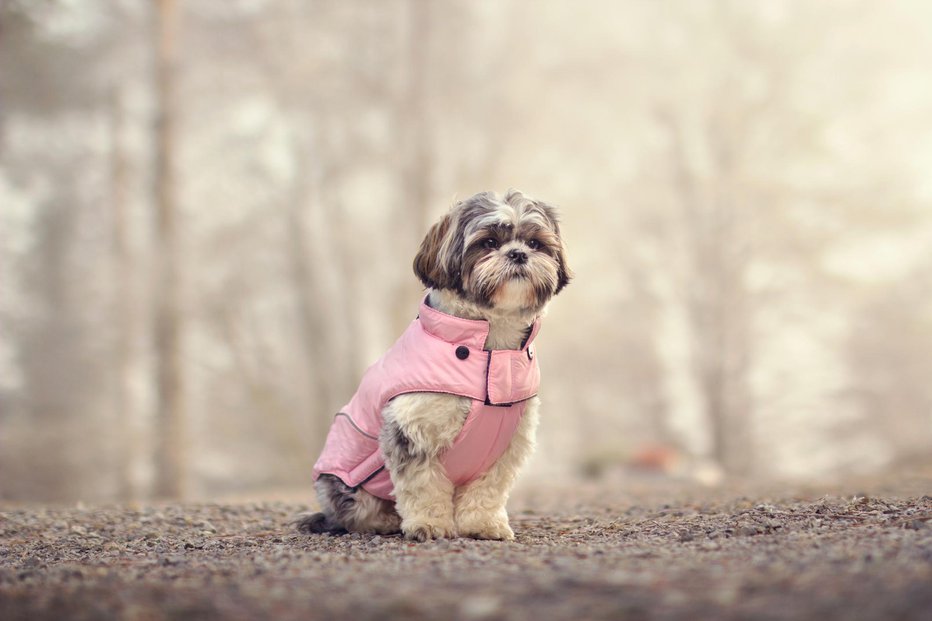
x: 470, y: 332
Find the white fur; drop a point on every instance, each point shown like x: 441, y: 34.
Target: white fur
x: 507, y: 327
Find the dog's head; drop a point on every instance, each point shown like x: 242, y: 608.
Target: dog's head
x: 498, y: 253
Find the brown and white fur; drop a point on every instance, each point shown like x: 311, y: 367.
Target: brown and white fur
x: 495, y: 258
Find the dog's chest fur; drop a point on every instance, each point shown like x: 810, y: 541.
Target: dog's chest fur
x: 438, y: 418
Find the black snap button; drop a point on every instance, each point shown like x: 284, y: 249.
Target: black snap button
x: 462, y: 352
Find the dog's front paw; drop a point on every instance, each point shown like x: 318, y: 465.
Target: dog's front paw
x: 484, y: 526
x: 425, y: 531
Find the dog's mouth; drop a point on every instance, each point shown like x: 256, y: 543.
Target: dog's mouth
x: 518, y: 272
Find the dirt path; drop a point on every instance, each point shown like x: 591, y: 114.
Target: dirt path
x: 593, y: 553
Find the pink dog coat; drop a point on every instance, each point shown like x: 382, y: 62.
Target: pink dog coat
x: 437, y: 353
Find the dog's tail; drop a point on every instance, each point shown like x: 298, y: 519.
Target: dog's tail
x: 317, y: 523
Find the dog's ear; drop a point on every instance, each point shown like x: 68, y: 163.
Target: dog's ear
x: 564, y: 274
x: 431, y: 265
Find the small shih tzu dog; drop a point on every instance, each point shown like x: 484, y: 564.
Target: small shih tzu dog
x: 433, y: 439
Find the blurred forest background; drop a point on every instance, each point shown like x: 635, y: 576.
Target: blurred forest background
x: 208, y: 212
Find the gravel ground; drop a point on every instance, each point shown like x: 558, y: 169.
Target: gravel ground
x: 614, y: 549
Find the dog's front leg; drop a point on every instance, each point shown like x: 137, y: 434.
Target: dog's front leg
x: 418, y: 428
x: 479, y: 506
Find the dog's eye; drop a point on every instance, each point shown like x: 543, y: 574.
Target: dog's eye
x: 533, y: 244
x: 490, y: 243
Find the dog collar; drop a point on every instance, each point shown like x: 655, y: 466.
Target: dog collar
x: 471, y: 333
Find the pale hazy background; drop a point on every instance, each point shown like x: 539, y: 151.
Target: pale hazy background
x: 208, y: 211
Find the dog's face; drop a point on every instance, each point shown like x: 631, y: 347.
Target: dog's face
x: 498, y: 253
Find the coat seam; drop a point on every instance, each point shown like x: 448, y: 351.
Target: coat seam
x: 355, y: 426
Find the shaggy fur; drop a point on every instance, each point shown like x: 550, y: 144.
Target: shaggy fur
x: 492, y: 258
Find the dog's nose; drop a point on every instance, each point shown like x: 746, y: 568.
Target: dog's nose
x: 518, y: 256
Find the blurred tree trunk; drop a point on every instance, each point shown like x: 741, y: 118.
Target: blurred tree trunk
x: 416, y: 172
x: 54, y: 378
x: 714, y: 293
x: 170, y: 457
x: 122, y: 265
x: 416, y: 107
x: 313, y: 320
x: 891, y: 367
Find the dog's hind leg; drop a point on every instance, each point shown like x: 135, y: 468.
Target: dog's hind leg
x: 316, y: 523
x: 347, y: 509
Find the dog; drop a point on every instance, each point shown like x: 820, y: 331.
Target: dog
x: 431, y: 443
